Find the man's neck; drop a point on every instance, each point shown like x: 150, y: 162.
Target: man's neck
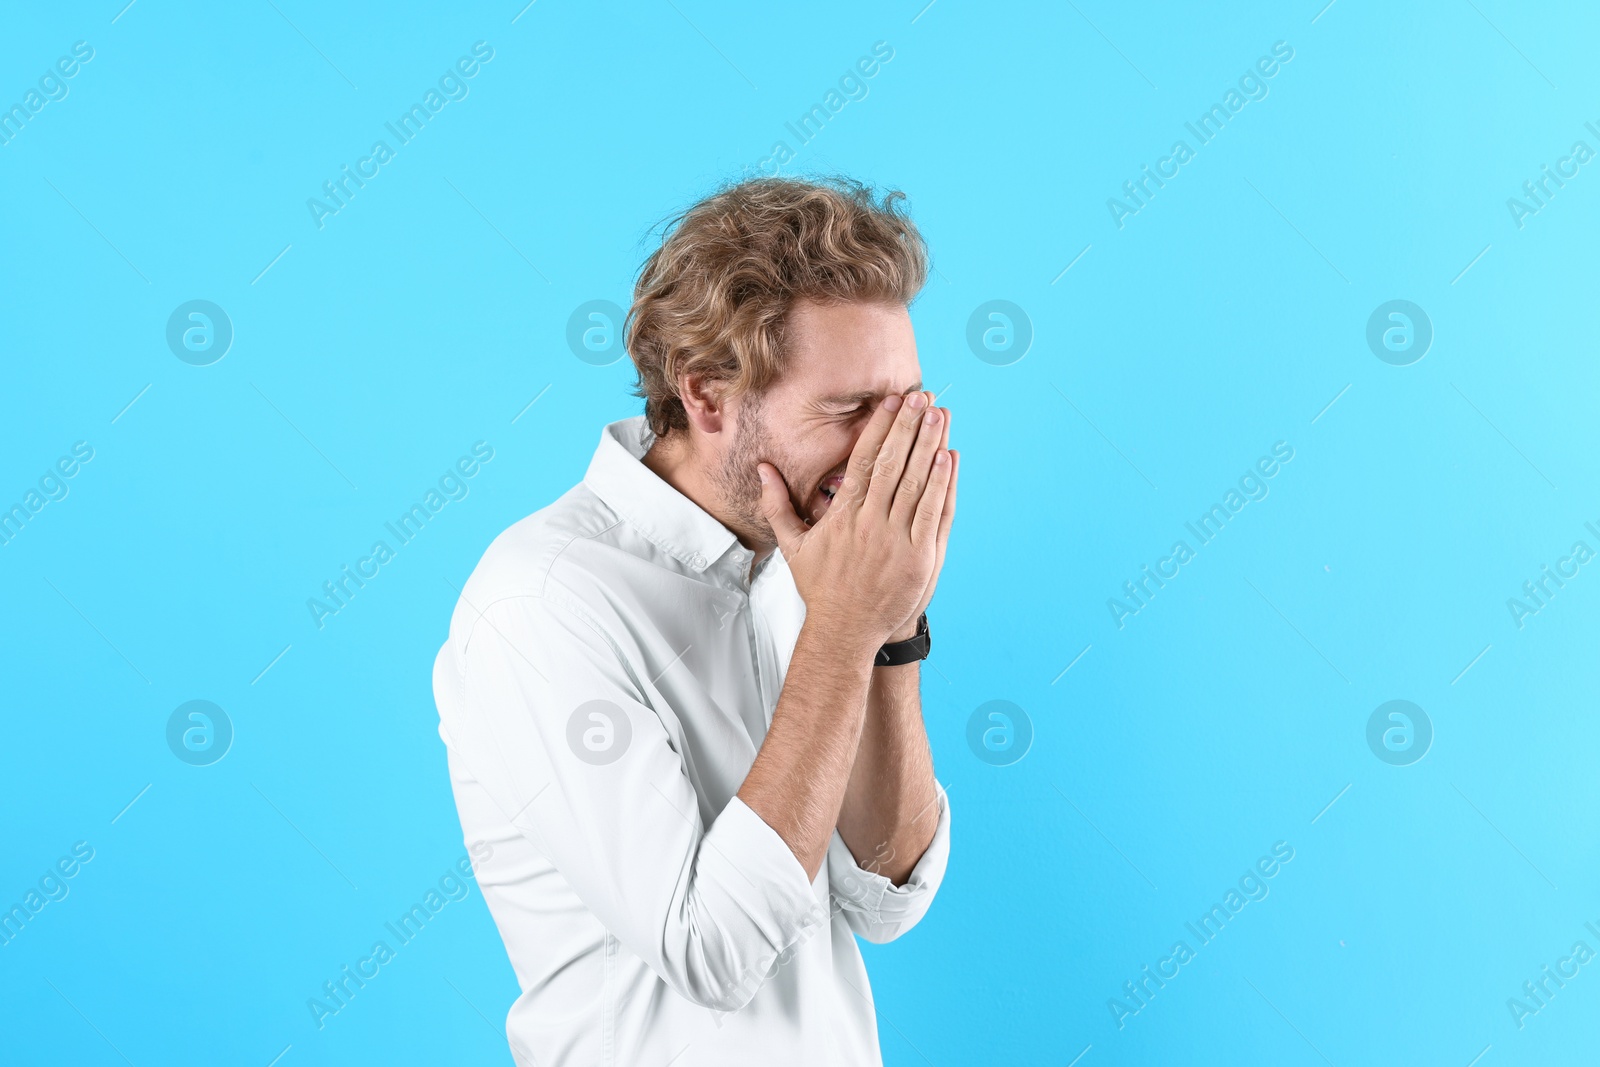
x: 674, y: 461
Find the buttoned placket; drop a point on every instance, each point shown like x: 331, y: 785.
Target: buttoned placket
x: 737, y: 572
x: 761, y: 642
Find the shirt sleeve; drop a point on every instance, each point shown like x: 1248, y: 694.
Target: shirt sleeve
x: 875, y: 907
x: 548, y: 717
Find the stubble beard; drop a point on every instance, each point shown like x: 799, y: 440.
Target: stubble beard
x: 738, y: 480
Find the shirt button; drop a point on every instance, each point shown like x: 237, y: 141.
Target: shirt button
x: 697, y: 561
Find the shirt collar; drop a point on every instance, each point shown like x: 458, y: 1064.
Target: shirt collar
x: 670, y: 520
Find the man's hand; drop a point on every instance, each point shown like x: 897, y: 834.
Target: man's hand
x: 869, y: 565
x: 909, y: 629
x: 861, y: 570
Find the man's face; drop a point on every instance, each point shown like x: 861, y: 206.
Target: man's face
x: 839, y: 360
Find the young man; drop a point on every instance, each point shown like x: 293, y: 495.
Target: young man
x: 699, y: 764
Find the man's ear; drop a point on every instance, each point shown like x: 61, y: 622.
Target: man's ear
x: 703, y: 401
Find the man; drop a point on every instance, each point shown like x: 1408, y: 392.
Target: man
x: 695, y: 784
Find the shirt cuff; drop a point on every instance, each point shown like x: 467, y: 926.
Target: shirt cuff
x: 753, y: 866
x: 876, y: 899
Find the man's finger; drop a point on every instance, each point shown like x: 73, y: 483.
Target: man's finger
x: 916, y: 476
x: 858, y: 472
x: 891, y: 461
x: 925, y: 523
x: 942, y: 539
x: 948, y: 516
x: 779, y: 511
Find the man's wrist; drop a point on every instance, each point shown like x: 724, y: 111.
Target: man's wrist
x: 848, y: 639
x: 906, y: 632
x: 906, y: 651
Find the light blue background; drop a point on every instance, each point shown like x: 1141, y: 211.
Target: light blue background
x: 1223, y: 317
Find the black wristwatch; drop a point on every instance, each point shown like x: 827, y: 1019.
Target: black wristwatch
x: 915, y: 648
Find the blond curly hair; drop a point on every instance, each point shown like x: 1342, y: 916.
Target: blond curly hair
x: 715, y: 297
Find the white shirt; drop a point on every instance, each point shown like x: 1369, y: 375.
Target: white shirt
x: 610, y: 673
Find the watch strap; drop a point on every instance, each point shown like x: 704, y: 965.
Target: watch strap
x: 915, y: 648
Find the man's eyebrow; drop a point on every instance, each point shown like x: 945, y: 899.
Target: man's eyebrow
x: 861, y: 396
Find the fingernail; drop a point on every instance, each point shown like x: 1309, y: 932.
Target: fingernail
x: 932, y: 417
x: 892, y: 403
x: 762, y: 471
x: 917, y: 400
x: 941, y: 457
